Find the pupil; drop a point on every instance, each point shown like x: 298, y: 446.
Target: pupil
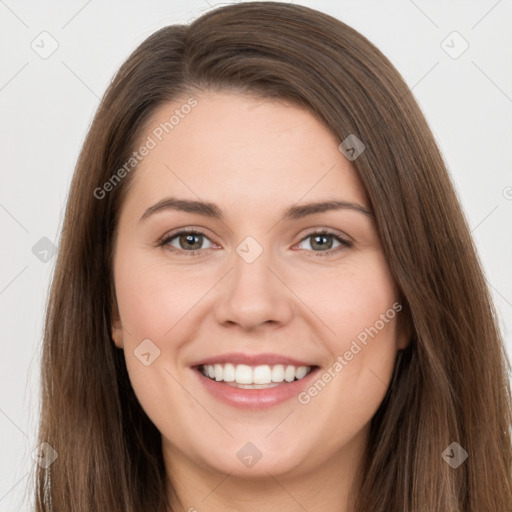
x: 322, y: 244
x: 189, y: 239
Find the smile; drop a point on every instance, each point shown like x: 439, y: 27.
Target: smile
x: 244, y: 376
x: 254, y: 382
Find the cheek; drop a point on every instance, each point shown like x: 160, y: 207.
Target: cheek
x: 154, y: 297
x: 361, y: 313
x: 153, y: 302
x: 156, y: 302
x: 356, y: 302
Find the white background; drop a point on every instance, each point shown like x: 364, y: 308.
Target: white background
x: 46, y: 106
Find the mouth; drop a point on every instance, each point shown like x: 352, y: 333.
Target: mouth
x: 250, y: 387
x: 243, y: 376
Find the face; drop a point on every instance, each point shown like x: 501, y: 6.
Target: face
x: 290, y: 310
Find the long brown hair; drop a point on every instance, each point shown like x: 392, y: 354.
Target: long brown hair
x: 450, y: 384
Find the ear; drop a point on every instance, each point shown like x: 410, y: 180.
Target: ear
x: 403, y: 338
x: 405, y: 329
x: 117, y: 329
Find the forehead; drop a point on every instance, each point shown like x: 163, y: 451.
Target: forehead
x: 242, y: 150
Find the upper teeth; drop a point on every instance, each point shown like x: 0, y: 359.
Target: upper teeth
x: 264, y: 374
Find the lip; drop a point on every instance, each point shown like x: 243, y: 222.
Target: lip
x: 256, y: 399
x: 251, y: 360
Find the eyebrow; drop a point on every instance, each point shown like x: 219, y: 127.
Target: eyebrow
x: 208, y: 209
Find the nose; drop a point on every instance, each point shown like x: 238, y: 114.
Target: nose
x: 254, y: 294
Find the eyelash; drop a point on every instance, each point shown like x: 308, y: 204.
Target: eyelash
x: 344, y: 243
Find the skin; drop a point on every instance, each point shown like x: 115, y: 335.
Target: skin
x: 253, y: 158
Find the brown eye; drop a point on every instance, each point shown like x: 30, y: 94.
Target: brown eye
x: 322, y: 242
x: 189, y: 242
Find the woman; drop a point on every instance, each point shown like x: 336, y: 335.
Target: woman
x: 204, y: 351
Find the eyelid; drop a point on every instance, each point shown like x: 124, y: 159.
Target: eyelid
x: 165, y: 239
x: 329, y: 231
x: 340, y: 237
